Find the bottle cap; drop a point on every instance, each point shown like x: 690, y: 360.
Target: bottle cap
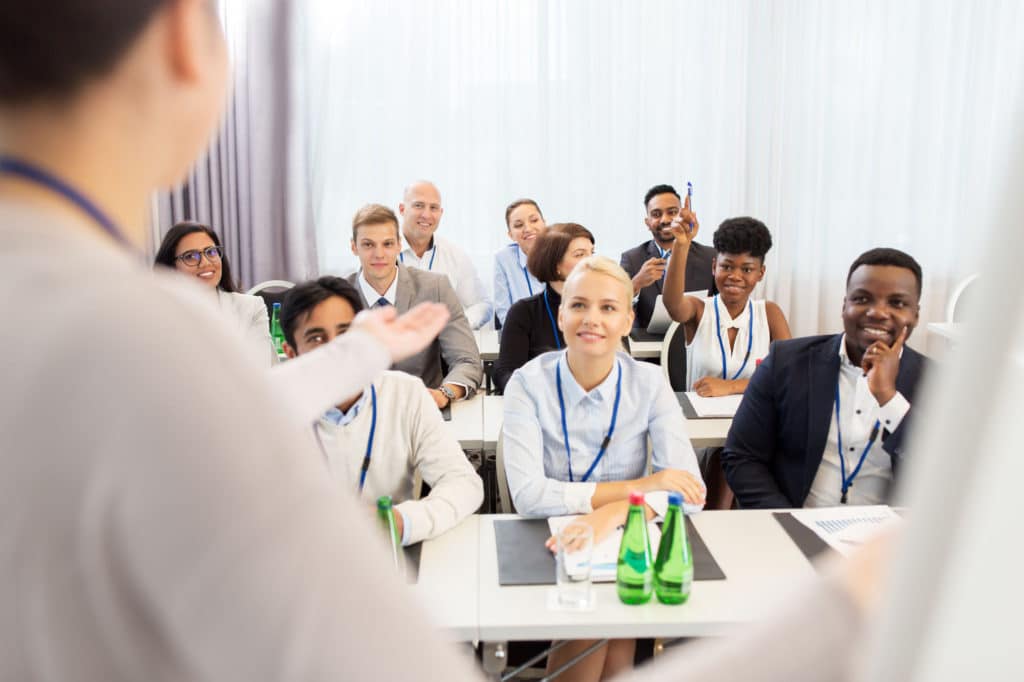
x: 636, y: 497
x: 384, y: 502
x: 277, y: 304
x: 675, y: 499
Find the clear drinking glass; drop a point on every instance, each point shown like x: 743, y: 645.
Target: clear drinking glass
x: 575, y: 548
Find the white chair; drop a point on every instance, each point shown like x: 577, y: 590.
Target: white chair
x: 958, y: 293
x: 505, y: 505
x: 673, y: 357
x: 270, y: 284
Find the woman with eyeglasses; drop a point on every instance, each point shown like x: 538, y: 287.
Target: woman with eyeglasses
x: 194, y: 249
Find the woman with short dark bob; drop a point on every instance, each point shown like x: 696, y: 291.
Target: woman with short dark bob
x: 530, y: 327
x: 195, y: 250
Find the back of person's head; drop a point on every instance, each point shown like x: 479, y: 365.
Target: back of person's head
x: 659, y: 189
x: 891, y: 257
x: 167, y: 253
x: 551, y: 247
x: 373, y: 214
x: 50, y: 48
x: 302, y: 298
x: 602, y: 266
x: 521, y: 202
x: 737, y: 236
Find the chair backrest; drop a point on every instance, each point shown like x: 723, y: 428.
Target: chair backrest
x: 957, y: 296
x: 505, y: 505
x: 673, y: 357
x: 272, y: 291
x: 270, y: 284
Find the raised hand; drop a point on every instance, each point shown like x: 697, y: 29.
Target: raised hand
x: 404, y: 336
x: 685, y: 226
x: 881, y: 364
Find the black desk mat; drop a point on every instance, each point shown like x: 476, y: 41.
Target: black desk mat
x: 644, y: 335
x: 806, y: 540
x: 524, y: 560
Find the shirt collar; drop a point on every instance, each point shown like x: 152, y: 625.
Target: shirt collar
x: 726, y: 322
x: 574, y: 393
x: 339, y: 418
x: 371, y: 295
x: 664, y: 253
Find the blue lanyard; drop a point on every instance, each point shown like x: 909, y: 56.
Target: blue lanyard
x: 664, y: 254
x: 565, y: 426
x: 551, y: 317
x: 28, y: 171
x: 847, y: 482
x: 433, y: 252
x: 369, y: 443
x: 721, y: 344
x: 526, y: 275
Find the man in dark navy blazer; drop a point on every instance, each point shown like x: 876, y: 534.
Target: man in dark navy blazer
x: 646, y: 263
x: 790, y: 445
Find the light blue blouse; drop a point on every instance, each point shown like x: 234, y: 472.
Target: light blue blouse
x: 512, y: 281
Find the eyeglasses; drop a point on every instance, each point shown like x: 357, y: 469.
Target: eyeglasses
x: 194, y: 257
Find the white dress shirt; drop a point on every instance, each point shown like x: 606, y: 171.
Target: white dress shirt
x: 445, y: 257
x: 371, y: 295
x: 410, y: 437
x: 178, y: 522
x: 704, y: 354
x: 858, y: 410
x: 534, y: 448
x: 512, y: 280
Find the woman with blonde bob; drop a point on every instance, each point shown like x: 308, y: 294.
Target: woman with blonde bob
x: 577, y: 422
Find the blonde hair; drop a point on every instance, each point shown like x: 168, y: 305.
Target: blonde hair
x: 373, y: 214
x: 603, y: 266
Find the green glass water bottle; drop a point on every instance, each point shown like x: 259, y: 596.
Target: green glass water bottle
x: 386, y: 516
x: 276, y: 334
x: 673, y: 567
x: 634, y: 576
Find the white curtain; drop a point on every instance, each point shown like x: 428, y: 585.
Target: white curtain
x: 842, y: 125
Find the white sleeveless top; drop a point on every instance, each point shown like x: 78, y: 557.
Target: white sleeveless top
x: 704, y: 354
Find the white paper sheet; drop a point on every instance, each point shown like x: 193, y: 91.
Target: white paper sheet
x: 605, y: 558
x: 722, y: 406
x: 845, y: 528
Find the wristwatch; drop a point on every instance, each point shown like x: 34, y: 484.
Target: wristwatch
x: 448, y: 393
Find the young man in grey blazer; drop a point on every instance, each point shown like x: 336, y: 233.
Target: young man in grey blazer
x: 381, y: 281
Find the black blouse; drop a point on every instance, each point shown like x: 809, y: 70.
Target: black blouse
x: 527, y: 333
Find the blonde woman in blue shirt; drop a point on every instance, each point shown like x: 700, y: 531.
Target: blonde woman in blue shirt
x: 576, y: 428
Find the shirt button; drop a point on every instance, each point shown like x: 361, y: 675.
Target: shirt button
x: 851, y: 449
x: 858, y: 411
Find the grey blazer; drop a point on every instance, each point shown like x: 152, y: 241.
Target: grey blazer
x: 455, y: 344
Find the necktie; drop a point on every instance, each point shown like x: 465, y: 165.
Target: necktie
x: 381, y: 303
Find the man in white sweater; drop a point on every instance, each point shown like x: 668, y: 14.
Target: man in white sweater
x: 376, y: 442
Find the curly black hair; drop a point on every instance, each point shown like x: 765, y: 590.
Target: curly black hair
x: 743, y: 235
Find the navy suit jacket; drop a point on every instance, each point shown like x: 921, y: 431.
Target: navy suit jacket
x: 778, y: 436
x: 698, y: 275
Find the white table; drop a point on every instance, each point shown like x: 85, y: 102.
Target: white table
x: 755, y: 553
x: 704, y: 433
x: 449, y: 577
x: 467, y: 422
x: 488, y: 340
